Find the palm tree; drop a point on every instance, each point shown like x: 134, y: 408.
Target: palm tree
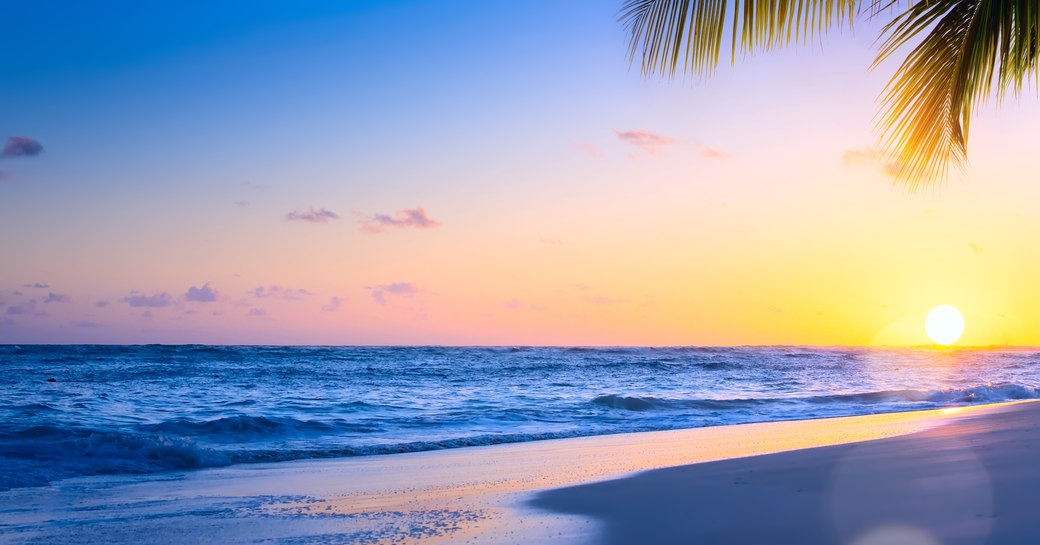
x: 966, y: 51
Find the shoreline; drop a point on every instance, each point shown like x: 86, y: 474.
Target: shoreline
x: 483, y: 493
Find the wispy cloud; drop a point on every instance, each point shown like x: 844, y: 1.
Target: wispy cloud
x: 861, y: 157
x: 401, y: 289
x: 157, y: 300
x: 257, y: 312
x: 202, y: 294
x: 241, y: 204
x: 311, y: 215
x: 87, y: 324
x: 409, y: 218
x: 869, y: 157
x: 279, y: 292
x: 56, y: 298
x: 604, y: 300
x: 38, y: 285
x: 713, y: 153
x: 651, y: 143
x: 101, y: 304
x: 334, y: 304
x: 20, y: 146
x: 513, y: 304
x: 590, y: 150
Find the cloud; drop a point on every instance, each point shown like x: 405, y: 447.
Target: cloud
x: 976, y: 248
x: 321, y: 215
x: 157, y: 300
x: 333, y: 305
x: 87, y: 324
x: 713, y: 153
x: 590, y: 150
x: 604, y: 300
x: 278, y: 292
x: 241, y: 204
x: 513, y: 304
x: 412, y: 217
x: 20, y: 146
x: 39, y: 285
x: 56, y: 298
x: 3, y: 176
x: 202, y: 294
x: 651, y: 143
x: 257, y: 312
x: 861, y: 157
x: 101, y: 304
x: 22, y: 309
x: 870, y: 157
x: 403, y: 289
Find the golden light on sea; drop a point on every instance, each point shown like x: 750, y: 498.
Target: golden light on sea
x: 944, y: 325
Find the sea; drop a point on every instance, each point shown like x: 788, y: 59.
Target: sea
x: 71, y: 411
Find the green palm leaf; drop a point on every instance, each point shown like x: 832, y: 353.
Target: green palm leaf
x: 969, y: 50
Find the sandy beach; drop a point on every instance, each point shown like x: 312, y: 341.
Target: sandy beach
x: 955, y: 476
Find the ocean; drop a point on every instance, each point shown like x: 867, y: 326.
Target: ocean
x: 68, y: 411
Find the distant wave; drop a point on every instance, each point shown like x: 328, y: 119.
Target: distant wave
x: 983, y: 393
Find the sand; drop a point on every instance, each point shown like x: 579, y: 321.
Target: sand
x: 961, y: 476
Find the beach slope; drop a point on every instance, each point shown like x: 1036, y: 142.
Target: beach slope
x: 970, y: 481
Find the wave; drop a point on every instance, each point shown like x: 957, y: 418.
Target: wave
x: 34, y: 455
x: 240, y: 426
x: 37, y: 455
x: 983, y: 393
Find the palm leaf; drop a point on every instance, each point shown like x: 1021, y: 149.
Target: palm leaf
x: 972, y: 49
x: 665, y: 35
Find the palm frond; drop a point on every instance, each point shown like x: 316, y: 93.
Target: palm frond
x: 972, y: 50
x: 666, y: 35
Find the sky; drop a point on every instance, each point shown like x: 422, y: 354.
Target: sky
x: 473, y: 173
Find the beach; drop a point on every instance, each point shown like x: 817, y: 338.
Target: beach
x: 949, y: 476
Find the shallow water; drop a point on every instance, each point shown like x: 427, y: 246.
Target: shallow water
x: 143, y: 409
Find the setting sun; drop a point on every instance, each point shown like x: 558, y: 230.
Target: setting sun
x: 944, y: 325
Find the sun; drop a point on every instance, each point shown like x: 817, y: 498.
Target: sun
x: 944, y: 325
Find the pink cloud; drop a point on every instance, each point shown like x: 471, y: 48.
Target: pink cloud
x: 402, y: 289
x: 334, y: 305
x: 412, y: 217
x: 713, y: 153
x: 870, y: 157
x: 858, y: 157
x: 321, y: 215
x: 590, y: 150
x: 649, y: 142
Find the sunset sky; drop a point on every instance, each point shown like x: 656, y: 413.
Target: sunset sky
x: 476, y: 173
